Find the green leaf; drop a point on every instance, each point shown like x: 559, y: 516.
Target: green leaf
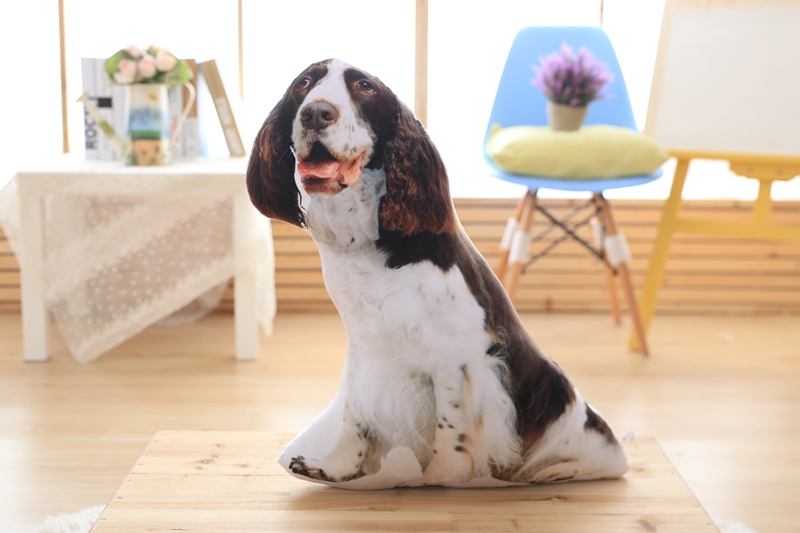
x: 180, y: 74
x: 160, y: 77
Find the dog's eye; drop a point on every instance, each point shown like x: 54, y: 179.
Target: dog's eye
x: 303, y: 83
x: 365, y: 86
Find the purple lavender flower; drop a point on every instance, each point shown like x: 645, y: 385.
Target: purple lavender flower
x: 572, y: 79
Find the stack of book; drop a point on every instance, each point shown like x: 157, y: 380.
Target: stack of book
x: 196, y: 137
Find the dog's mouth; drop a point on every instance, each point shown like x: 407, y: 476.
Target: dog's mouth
x: 321, y: 172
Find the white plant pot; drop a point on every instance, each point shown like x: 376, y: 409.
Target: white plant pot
x: 562, y: 117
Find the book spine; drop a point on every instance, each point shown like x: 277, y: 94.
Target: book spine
x: 223, y: 107
x: 91, y: 131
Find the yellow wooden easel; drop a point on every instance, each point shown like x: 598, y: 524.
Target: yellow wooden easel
x: 766, y: 169
x: 703, y: 107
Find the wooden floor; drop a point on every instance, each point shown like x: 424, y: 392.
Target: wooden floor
x: 721, y: 395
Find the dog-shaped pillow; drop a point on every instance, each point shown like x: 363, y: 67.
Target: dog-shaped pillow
x: 442, y: 384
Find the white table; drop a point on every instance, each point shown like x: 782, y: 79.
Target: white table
x: 212, y: 177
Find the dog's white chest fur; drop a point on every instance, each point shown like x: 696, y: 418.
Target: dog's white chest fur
x: 418, y: 306
x: 413, y: 332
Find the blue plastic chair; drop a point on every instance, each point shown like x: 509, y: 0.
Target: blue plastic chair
x: 517, y: 103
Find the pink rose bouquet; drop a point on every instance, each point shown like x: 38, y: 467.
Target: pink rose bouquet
x: 153, y: 65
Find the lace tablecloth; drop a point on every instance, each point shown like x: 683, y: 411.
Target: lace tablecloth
x: 123, y: 248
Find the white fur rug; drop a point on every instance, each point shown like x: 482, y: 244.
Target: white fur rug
x: 82, y: 522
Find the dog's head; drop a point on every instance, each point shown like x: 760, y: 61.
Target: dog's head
x: 333, y: 121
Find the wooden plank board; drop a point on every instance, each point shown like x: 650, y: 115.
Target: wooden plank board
x: 638, y: 247
x: 586, y: 262
x: 594, y: 279
x: 9, y: 277
x: 8, y: 262
x: 196, y: 481
x: 599, y: 295
x: 8, y: 294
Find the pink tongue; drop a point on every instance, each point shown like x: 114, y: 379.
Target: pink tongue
x: 347, y: 173
x: 327, y: 170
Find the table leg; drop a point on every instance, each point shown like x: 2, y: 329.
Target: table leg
x: 660, y: 254
x: 35, y: 319
x: 244, y: 296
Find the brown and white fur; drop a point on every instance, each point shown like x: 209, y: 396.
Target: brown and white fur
x: 437, y: 361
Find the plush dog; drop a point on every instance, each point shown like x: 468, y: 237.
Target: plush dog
x: 442, y: 383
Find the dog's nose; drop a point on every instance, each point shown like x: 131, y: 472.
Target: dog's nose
x: 318, y: 115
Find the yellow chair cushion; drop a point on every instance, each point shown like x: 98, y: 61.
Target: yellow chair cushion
x: 597, y: 151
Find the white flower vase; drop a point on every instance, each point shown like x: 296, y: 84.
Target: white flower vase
x: 563, y: 117
x: 147, y: 124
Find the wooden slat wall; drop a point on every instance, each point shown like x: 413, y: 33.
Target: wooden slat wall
x: 9, y: 277
x: 704, y: 274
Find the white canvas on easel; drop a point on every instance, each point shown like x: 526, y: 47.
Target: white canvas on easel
x: 727, y: 78
x: 726, y: 86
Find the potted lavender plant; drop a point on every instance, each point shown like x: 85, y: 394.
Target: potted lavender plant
x: 570, y: 81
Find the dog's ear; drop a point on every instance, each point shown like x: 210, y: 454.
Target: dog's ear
x: 417, y: 192
x: 270, y: 172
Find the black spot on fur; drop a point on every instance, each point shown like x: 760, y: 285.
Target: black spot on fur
x: 298, y: 466
x: 405, y: 250
x: 540, y: 390
x: 595, y: 422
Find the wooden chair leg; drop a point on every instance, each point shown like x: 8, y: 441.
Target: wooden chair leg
x: 613, y: 296
x: 616, y: 313
x: 627, y: 285
x: 660, y: 254
x: 505, y: 243
x: 633, y: 308
x: 517, y: 255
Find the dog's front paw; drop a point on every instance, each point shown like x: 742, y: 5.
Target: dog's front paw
x: 298, y: 465
x: 449, y: 469
x: 304, y: 467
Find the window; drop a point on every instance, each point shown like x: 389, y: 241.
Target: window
x: 468, y: 42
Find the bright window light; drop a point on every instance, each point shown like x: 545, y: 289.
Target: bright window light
x: 468, y: 43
